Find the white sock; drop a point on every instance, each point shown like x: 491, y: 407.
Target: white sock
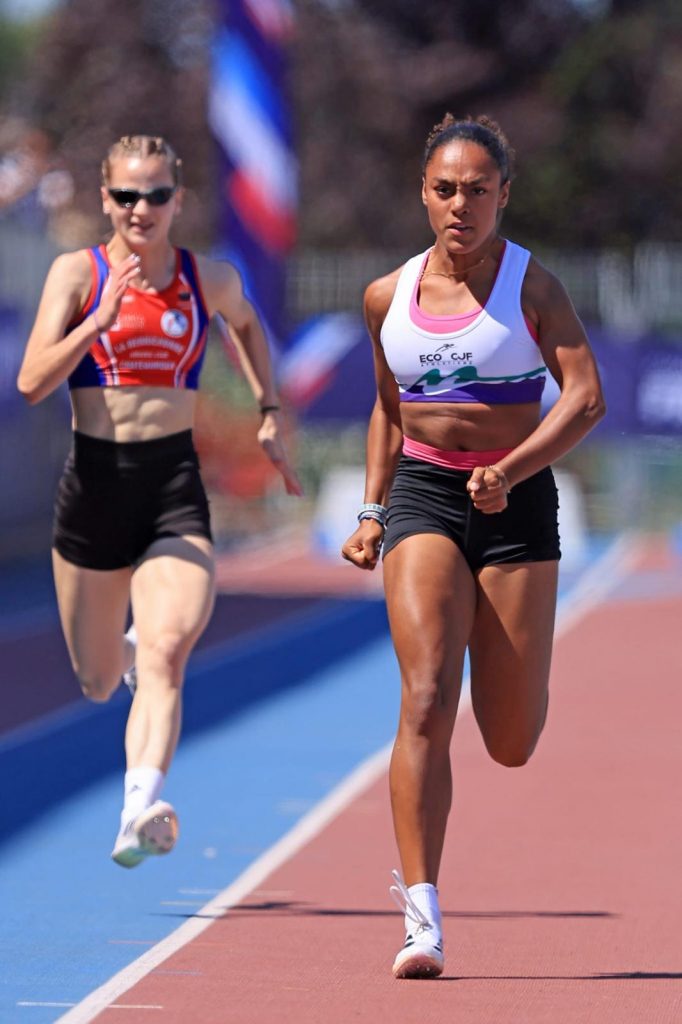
x: 141, y: 788
x: 425, y: 896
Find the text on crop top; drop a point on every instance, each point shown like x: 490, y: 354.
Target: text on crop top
x: 158, y: 338
x: 488, y: 356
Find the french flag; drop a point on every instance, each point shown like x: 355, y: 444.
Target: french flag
x: 251, y: 121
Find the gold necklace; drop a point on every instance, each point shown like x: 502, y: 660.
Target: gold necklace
x: 459, y: 273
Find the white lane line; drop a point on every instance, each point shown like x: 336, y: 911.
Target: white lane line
x: 198, y: 892
x: 162, y: 970
x: 591, y: 589
x: 181, y: 903
x: 273, y: 894
x: 306, y: 829
x: 600, y: 580
x: 132, y: 942
x: 27, y: 1002
x: 113, y: 1006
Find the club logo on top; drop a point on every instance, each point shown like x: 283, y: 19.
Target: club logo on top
x: 174, y: 323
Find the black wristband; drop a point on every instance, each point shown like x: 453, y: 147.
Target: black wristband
x: 268, y: 408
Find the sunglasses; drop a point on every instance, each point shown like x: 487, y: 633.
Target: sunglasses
x: 129, y: 197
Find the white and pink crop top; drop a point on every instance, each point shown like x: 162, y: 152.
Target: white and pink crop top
x: 487, y: 356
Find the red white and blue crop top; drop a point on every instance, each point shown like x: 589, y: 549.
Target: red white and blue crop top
x: 488, y: 356
x: 158, y: 338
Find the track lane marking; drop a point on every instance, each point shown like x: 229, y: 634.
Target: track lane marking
x: 590, y: 590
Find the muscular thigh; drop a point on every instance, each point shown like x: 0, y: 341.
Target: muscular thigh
x: 93, y: 605
x: 511, y: 645
x: 430, y: 596
x: 172, y: 589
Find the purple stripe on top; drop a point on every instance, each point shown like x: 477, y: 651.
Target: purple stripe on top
x: 505, y: 393
x: 88, y: 374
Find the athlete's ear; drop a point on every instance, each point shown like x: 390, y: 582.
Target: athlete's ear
x: 106, y: 209
x: 424, y: 191
x: 178, y: 197
x: 504, y: 195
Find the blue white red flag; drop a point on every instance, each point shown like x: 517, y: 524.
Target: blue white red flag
x: 250, y: 118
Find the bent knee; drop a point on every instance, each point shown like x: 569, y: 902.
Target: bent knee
x: 512, y: 758
x: 167, y: 653
x: 513, y: 746
x: 512, y: 753
x: 95, y: 686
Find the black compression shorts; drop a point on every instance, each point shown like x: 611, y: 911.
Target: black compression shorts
x: 426, y: 498
x: 115, y: 499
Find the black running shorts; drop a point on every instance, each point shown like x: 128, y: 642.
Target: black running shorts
x: 115, y: 499
x: 433, y: 499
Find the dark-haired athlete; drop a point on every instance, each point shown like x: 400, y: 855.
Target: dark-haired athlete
x: 126, y: 324
x: 460, y: 491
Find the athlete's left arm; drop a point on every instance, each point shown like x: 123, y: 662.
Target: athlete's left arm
x: 566, y: 352
x: 224, y: 294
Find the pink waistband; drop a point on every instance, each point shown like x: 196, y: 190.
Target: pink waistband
x: 452, y: 460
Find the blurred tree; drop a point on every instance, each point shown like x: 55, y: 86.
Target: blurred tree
x: 612, y: 174
x: 398, y: 66
x: 120, y: 67
x: 16, y: 40
x: 589, y: 94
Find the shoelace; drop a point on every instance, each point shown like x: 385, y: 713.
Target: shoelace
x: 402, y: 899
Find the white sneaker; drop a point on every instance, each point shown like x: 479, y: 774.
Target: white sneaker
x: 422, y: 954
x: 130, y: 677
x: 154, y: 831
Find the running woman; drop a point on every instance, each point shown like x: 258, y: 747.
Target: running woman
x: 126, y: 324
x: 460, y: 491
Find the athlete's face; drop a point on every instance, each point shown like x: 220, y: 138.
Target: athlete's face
x: 142, y: 221
x: 463, y: 193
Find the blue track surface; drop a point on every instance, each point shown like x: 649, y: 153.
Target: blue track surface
x: 71, y: 918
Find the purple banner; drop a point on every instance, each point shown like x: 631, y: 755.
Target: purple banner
x: 13, y: 334
x: 658, y: 408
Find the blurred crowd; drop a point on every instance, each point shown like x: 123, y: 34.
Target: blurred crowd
x: 34, y: 183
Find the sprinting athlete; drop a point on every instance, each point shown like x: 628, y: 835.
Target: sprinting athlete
x: 460, y: 492
x: 126, y: 324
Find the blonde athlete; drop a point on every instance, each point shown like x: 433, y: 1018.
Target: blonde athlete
x: 126, y: 324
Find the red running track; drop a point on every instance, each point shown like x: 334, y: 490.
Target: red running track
x: 560, y: 883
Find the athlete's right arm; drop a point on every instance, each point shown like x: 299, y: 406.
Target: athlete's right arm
x: 384, y: 436
x: 51, y: 356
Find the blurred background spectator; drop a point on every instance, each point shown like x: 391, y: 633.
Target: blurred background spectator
x: 301, y: 127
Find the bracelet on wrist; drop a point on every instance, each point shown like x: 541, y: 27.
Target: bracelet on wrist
x: 371, y: 510
x: 268, y: 408
x: 372, y: 506
x: 372, y: 515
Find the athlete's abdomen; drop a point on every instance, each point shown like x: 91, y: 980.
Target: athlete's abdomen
x: 132, y: 413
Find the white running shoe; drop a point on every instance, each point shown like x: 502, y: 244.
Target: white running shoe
x: 130, y: 677
x: 154, y: 831
x: 422, y: 954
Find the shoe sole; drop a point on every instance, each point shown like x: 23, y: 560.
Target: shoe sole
x: 156, y: 830
x: 418, y: 965
x: 127, y: 858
